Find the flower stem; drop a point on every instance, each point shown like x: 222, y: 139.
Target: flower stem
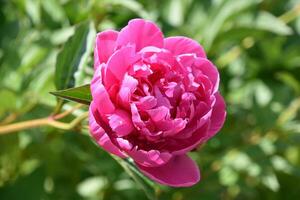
x: 23, y: 125
x: 48, y: 121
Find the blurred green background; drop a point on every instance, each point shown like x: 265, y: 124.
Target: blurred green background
x: 256, y: 46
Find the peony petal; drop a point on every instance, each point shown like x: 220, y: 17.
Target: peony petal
x: 101, y: 98
x: 158, y: 114
x: 208, y: 69
x: 117, y: 65
x: 141, y: 33
x: 136, y: 118
x: 182, y: 45
x: 180, y: 171
x: 218, y: 116
x: 209, y: 124
x: 145, y: 103
x: 128, y: 87
x: 141, y: 126
x: 105, y: 46
x: 140, y: 70
x: 194, y: 134
x: 152, y: 158
x: 120, y: 122
x: 124, y: 144
x: 101, y: 137
x: 172, y: 127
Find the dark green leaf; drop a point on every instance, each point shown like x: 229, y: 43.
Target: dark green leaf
x: 73, y: 56
x: 80, y: 94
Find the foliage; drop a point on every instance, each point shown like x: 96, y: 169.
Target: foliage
x: 255, y: 45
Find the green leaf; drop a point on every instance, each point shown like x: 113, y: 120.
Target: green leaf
x: 74, y: 56
x: 289, y: 80
x: 175, y: 11
x: 266, y: 21
x: 80, y: 94
x: 219, y: 15
x: 55, y: 10
x: 33, y: 9
x: 150, y: 188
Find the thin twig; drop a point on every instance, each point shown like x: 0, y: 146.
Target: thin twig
x: 67, y: 112
x: 48, y: 121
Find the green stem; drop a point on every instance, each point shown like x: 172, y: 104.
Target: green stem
x: 149, y: 188
x: 48, y: 121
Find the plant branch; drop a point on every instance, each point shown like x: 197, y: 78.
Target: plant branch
x: 48, y: 121
x: 67, y: 112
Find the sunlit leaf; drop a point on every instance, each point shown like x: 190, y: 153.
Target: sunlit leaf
x: 80, y: 94
x: 73, y: 56
x: 267, y: 22
x: 270, y: 180
x: 219, y: 15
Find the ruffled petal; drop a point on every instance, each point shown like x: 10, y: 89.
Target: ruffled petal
x: 152, y: 158
x: 101, y: 98
x: 117, y: 65
x: 146, y: 103
x: 218, y: 116
x: 209, y: 124
x: 101, y: 137
x: 104, y: 46
x: 141, y: 33
x: 180, y: 171
x: 159, y: 114
x: 182, y: 45
x: 208, y: 69
x: 172, y: 126
x: 120, y: 122
x: 128, y: 87
x: 194, y: 134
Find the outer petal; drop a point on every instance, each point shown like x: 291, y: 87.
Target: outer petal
x: 218, y: 116
x: 101, y: 137
x: 128, y: 86
x: 104, y: 46
x: 117, y: 65
x: 121, y: 123
x: 101, y: 98
x: 141, y: 33
x: 194, y: 134
x: 212, y: 123
x: 152, y: 158
x: 209, y: 70
x: 183, y: 45
x: 180, y: 171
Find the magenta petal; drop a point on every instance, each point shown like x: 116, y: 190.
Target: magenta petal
x: 105, y: 46
x: 180, y: 171
x: 159, y: 113
x: 101, y: 137
x: 101, y: 98
x: 128, y: 86
x: 146, y: 103
x: 152, y: 158
x: 141, y: 33
x: 183, y: 45
x: 118, y: 64
x: 218, y: 116
x: 208, y: 69
x: 121, y: 123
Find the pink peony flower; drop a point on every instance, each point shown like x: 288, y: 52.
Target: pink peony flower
x: 154, y: 100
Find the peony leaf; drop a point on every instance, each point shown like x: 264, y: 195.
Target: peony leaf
x: 150, y: 188
x: 222, y: 12
x: 81, y: 94
x: 74, y: 56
